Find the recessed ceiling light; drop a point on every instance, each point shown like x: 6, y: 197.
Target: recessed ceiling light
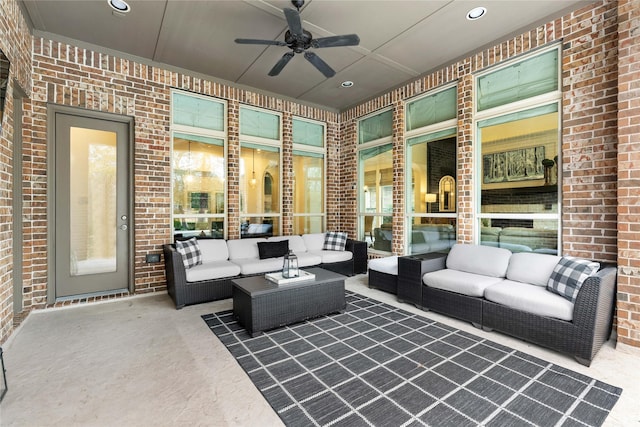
x: 346, y: 83
x: 119, y: 5
x: 476, y: 13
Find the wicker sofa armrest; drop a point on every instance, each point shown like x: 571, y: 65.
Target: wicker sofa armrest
x: 176, y: 275
x: 593, y: 310
x: 359, y: 251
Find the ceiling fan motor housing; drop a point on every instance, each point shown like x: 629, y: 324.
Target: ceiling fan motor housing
x: 298, y: 42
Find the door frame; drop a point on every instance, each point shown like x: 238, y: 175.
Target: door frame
x: 52, y: 110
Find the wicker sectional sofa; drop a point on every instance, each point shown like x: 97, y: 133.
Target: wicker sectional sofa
x: 496, y: 289
x: 225, y: 260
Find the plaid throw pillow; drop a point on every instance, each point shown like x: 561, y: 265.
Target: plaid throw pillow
x: 190, y: 252
x: 335, y: 241
x: 568, y: 276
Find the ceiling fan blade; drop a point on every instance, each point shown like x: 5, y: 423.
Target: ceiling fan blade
x: 280, y: 64
x: 258, y: 41
x: 322, y: 66
x: 335, y: 41
x: 293, y: 19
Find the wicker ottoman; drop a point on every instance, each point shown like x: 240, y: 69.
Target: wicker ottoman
x: 383, y: 274
x: 260, y: 305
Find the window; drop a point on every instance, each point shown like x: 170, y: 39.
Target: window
x: 518, y: 130
x: 308, y: 177
x: 431, y: 171
x: 198, y: 166
x: 260, y: 173
x: 375, y: 181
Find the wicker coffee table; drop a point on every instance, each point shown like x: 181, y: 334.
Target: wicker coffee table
x: 260, y: 304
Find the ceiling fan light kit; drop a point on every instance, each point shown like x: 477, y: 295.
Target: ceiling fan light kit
x: 299, y: 40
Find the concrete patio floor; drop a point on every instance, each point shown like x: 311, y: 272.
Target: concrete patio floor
x: 140, y: 362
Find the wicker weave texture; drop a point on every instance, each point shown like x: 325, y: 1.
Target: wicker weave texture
x: 287, y: 304
x: 383, y: 281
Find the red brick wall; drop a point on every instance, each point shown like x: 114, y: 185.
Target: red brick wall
x: 590, y: 157
x: 629, y: 173
x: 71, y: 76
x: 15, y: 43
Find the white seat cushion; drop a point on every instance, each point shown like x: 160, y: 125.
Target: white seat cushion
x: 306, y: 259
x: 257, y: 266
x: 296, y: 244
x: 479, y: 259
x: 329, y: 257
x: 313, y: 242
x: 530, y: 298
x: 459, y: 282
x: 244, y: 248
x: 213, y: 250
x: 531, y: 268
x: 388, y: 265
x: 212, y: 270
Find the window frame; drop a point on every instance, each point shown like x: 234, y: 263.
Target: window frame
x: 204, y: 132
x: 271, y: 143
x: 313, y: 150
x: 360, y: 181
x: 450, y: 124
x: 509, y: 108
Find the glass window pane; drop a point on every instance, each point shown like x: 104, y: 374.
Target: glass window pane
x: 93, y: 232
x: 197, y: 112
x: 376, y: 194
x: 259, y: 179
x: 308, y: 183
x: 198, y: 185
x: 259, y: 226
x: 259, y: 123
x: 520, y: 176
x: 524, y: 79
x: 308, y: 133
x: 375, y: 127
x: 520, y: 235
x: 432, y: 166
x: 432, y: 109
x: 431, y: 235
x: 308, y: 224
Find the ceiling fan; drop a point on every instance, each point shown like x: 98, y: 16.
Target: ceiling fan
x: 299, y: 40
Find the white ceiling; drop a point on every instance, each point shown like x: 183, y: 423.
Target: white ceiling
x: 399, y: 40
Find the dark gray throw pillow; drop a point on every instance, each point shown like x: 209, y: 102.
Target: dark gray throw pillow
x: 273, y: 249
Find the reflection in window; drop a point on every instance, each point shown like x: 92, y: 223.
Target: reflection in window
x: 198, y: 186
x: 519, y: 197
x: 375, y: 167
x: 4, y: 82
x: 431, y: 160
x: 308, y: 190
x: 259, y: 202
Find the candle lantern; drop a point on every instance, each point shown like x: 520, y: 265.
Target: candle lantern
x: 290, y: 266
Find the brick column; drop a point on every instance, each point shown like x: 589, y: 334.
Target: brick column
x: 464, y: 181
x: 628, y: 174
x: 233, y: 170
x: 287, y: 174
x: 399, y: 176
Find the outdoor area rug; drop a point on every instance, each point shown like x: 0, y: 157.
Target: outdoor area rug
x: 380, y: 365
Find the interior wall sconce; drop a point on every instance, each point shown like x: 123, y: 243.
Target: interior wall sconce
x: 428, y: 199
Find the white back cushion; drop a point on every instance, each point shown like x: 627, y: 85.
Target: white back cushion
x: 314, y: 241
x: 296, y: 244
x: 213, y: 250
x: 532, y: 268
x: 244, y: 248
x: 479, y: 259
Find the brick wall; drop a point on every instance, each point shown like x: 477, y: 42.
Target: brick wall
x: 629, y: 173
x: 67, y: 75
x: 596, y: 65
x: 15, y: 43
x: 589, y: 141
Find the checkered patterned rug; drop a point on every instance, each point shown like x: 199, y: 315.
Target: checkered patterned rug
x: 379, y: 365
